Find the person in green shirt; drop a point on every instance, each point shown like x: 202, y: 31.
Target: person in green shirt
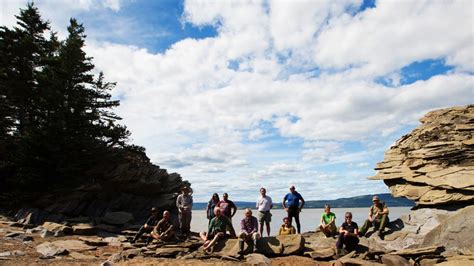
x: 328, y: 222
x: 217, y: 229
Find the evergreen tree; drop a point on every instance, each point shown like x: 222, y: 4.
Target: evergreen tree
x: 57, y: 123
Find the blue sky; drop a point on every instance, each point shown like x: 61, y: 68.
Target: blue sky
x: 236, y: 95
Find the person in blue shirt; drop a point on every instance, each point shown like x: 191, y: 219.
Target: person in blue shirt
x: 291, y: 204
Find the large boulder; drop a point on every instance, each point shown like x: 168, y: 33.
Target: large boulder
x: 433, y: 164
x: 454, y: 232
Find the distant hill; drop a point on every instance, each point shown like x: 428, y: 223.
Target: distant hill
x: 352, y: 202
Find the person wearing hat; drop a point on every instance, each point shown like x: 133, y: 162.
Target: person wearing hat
x: 150, y: 223
x: 378, y: 217
x: 184, y: 203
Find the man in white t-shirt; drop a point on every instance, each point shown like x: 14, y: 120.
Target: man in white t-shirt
x: 264, y: 204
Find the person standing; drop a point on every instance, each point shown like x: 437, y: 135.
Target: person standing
x: 227, y: 207
x: 348, y: 235
x: 328, y: 222
x: 291, y: 204
x: 184, y: 202
x: 264, y: 204
x: 211, y: 205
x: 249, y: 228
x: 149, y: 224
x: 378, y: 217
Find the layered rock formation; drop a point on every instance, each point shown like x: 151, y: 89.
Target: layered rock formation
x: 434, y: 164
x: 130, y: 187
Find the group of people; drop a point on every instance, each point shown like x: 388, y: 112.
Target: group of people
x: 220, y: 213
x: 349, y: 232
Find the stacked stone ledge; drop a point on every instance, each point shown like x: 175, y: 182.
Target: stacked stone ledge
x: 434, y: 164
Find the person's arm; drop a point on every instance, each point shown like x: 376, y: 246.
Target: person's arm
x: 321, y: 222
x: 271, y: 203
x: 302, y: 202
x: 384, y: 211
x: 207, y: 209
x: 280, y: 231
x: 255, y: 225
x: 342, y: 230
x: 333, y: 220
x: 292, y: 230
x: 242, y: 226
x: 284, y: 204
x: 370, y: 214
x: 210, y: 228
x: 167, y: 231
x: 234, y: 208
x: 178, y: 202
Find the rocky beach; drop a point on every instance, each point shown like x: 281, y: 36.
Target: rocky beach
x: 433, y: 165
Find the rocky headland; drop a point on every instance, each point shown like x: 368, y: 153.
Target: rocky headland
x: 433, y: 165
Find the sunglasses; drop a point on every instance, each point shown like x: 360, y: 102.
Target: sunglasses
x: 348, y: 217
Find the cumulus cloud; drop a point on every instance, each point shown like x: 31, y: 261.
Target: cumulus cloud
x: 282, y: 88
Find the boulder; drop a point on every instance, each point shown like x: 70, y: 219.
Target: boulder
x: 355, y: 262
x: 257, y: 259
x: 94, y: 241
x: 83, y: 229
x: 454, y: 232
x: 48, y: 249
x: 55, y: 227
x: 394, y: 260
x: 322, y: 254
x: 432, y: 165
x: 72, y: 245
x: 415, y: 252
x: 117, y: 218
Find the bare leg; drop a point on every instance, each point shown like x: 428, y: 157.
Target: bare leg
x: 203, y: 235
x: 214, y: 240
x: 268, y: 229
x: 261, y: 228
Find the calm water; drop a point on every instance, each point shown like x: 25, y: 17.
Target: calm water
x: 309, y: 218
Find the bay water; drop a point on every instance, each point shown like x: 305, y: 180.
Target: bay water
x: 309, y: 218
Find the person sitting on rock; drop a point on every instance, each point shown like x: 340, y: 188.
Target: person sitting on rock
x: 149, y: 224
x: 249, y: 231
x: 286, y: 228
x: 378, y: 217
x: 217, y: 229
x: 328, y: 222
x: 164, y: 230
x: 347, y: 235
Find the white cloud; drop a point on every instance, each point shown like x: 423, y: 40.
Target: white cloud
x: 196, y: 114
x: 395, y: 33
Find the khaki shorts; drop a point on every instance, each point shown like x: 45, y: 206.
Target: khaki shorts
x: 264, y: 217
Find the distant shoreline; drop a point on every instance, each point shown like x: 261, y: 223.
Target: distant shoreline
x: 352, y: 202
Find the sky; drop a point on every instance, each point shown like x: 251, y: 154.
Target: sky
x: 238, y: 95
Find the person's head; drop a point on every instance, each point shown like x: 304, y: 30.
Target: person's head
x: 248, y: 212
x: 217, y: 211
x: 215, y: 197
x: 286, y: 221
x: 154, y: 211
x: 225, y: 196
x: 185, y: 190
x: 327, y: 208
x: 292, y: 189
x: 375, y: 200
x: 166, y: 215
x: 348, y: 216
x: 263, y: 191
